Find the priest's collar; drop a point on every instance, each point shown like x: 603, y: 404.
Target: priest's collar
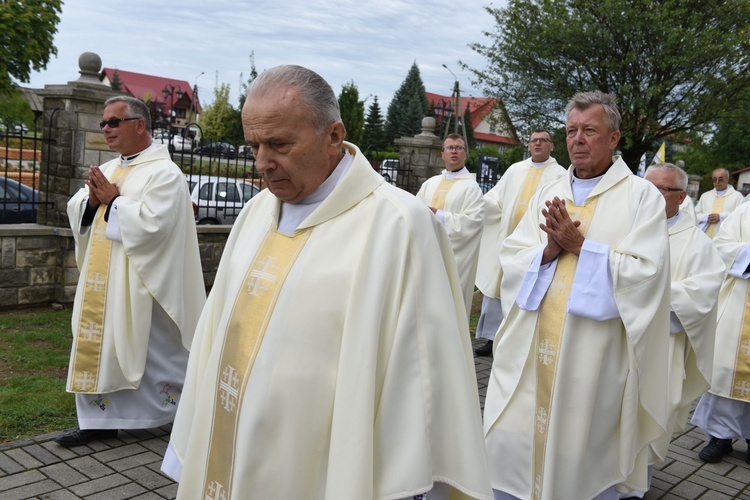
x: 721, y: 193
x: 127, y: 160
x: 450, y: 175
x: 671, y: 221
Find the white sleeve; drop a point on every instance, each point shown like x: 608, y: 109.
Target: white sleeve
x: 171, y: 465
x: 440, y: 214
x: 741, y: 262
x: 535, y: 283
x: 593, y: 293
x: 113, y: 224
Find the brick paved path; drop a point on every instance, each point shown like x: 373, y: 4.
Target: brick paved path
x: 128, y: 467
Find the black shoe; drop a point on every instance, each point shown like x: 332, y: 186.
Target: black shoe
x: 715, y: 450
x: 485, y: 350
x: 80, y: 437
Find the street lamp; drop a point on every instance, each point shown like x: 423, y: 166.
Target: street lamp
x: 169, y: 92
x: 457, y: 93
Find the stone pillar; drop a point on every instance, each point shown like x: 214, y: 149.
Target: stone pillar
x: 421, y: 154
x: 71, y: 116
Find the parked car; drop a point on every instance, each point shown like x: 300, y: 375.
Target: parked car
x: 17, y: 202
x: 245, y: 151
x: 220, y: 149
x: 389, y: 170
x: 178, y: 142
x: 219, y: 200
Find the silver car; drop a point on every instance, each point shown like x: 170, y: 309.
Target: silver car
x: 219, y: 200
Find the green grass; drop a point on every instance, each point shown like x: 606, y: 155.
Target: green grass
x: 34, y: 354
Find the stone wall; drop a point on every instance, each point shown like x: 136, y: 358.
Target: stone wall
x: 38, y: 268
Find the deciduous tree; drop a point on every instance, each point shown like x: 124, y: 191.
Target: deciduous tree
x: 27, y: 30
x: 674, y: 65
x: 352, y: 113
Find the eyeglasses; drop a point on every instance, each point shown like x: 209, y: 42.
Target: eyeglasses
x: 668, y: 190
x: 453, y: 149
x: 115, y: 122
x: 540, y: 140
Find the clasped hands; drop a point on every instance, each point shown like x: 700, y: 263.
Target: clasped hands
x: 100, y: 189
x: 562, y: 231
x: 714, y: 218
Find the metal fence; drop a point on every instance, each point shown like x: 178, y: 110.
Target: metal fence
x: 20, y: 168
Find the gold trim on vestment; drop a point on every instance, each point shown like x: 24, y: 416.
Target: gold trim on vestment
x: 741, y: 377
x: 552, y: 315
x: 87, y: 345
x: 716, y: 209
x: 438, y: 199
x: 527, y: 191
x: 244, y: 335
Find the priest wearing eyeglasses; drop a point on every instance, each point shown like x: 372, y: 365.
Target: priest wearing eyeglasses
x: 140, y: 289
x: 456, y: 200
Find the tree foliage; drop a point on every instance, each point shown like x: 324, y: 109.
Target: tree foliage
x: 674, y: 65
x: 216, y: 119
x: 408, y: 107
x: 15, y: 111
x: 116, y: 83
x: 27, y: 29
x: 373, y: 133
x: 352, y: 113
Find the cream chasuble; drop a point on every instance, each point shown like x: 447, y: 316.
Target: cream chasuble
x: 606, y: 400
x: 504, y: 205
x: 461, y: 201
x: 731, y: 371
x: 156, y: 261
x: 710, y: 203
x: 697, y: 274
x: 351, y: 377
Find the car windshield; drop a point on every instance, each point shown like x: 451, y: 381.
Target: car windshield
x: 248, y: 191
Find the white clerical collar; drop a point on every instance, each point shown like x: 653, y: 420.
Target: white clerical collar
x: 452, y: 175
x: 671, y: 221
x: 127, y: 160
x: 583, y: 187
x: 292, y: 214
x: 538, y: 164
x: 720, y: 194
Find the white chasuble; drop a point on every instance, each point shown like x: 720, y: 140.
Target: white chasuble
x: 697, y: 272
x: 609, y: 387
x: 461, y: 201
x: 711, y: 203
x: 731, y: 370
x: 360, y: 383
x: 504, y: 205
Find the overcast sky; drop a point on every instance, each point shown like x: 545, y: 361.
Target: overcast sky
x: 370, y: 42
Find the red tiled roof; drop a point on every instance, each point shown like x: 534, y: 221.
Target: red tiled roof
x: 494, y: 139
x: 139, y: 85
x: 479, y: 107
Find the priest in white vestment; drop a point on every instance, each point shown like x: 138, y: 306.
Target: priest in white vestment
x: 456, y: 200
x: 140, y: 290
x: 504, y: 205
x: 697, y: 272
x: 578, y: 386
x: 332, y: 359
x: 714, y: 206
x: 723, y: 413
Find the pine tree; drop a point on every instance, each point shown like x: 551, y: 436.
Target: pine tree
x: 116, y: 83
x: 352, y: 112
x: 408, y: 107
x: 373, y: 134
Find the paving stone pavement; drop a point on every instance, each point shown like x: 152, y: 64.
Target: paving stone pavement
x: 128, y: 466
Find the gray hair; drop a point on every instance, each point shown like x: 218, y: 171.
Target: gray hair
x: 584, y: 100
x: 682, y: 178
x: 314, y: 91
x: 135, y: 109
x: 726, y: 171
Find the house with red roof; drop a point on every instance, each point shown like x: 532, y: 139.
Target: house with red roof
x: 174, y: 98
x: 485, y: 118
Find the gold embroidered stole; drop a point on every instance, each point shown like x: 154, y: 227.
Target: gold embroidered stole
x: 741, y: 378
x: 88, y: 342
x: 529, y: 188
x: 552, y: 316
x: 244, y: 335
x: 716, y: 209
x: 438, y: 199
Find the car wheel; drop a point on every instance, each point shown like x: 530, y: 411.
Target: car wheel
x: 387, y: 178
x: 208, y: 222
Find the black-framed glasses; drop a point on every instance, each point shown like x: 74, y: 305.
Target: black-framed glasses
x: 115, y: 122
x: 540, y: 140
x: 454, y: 148
x: 668, y: 190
